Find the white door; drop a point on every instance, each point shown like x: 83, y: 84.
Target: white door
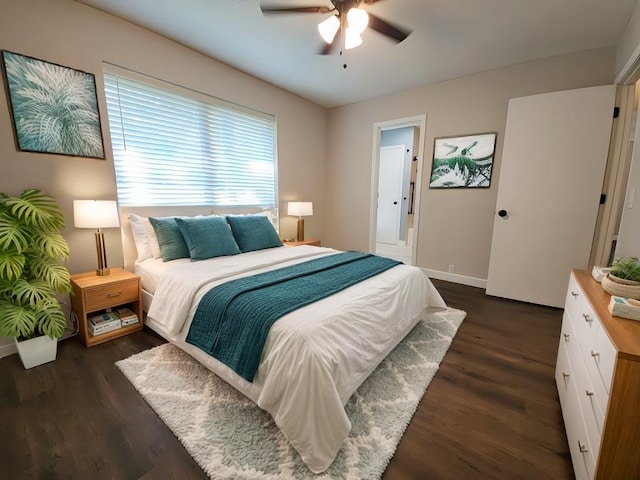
x: 553, y: 163
x: 390, y: 193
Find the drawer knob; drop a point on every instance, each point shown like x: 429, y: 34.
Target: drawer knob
x: 112, y: 295
x: 594, y: 354
x: 583, y: 448
x: 587, y: 318
x: 574, y: 294
x: 565, y: 375
x: 589, y: 393
x: 566, y: 337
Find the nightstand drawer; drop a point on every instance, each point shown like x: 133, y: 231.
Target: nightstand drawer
x: 103, y: 296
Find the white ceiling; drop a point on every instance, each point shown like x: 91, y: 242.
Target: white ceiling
x: 450, y: 38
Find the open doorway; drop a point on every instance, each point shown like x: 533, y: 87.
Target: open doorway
x: 398, y: 150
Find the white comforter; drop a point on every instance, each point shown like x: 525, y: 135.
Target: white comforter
x: 315, y: 357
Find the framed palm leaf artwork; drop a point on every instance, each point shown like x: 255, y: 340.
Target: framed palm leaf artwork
x: 463, y: 161
x: 54, y: 108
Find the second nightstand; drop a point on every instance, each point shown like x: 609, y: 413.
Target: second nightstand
x: 96, y: 294
x: 315, y: 243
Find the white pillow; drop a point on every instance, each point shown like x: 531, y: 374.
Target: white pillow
x: 144, y: 237
x: 153, y: 240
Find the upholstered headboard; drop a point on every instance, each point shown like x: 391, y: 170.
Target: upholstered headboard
x: 128, y: 245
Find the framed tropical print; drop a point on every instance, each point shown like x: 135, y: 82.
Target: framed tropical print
x: 463, y: 161
x: 54, y: 108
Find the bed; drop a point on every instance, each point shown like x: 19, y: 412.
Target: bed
x: 314, y: 357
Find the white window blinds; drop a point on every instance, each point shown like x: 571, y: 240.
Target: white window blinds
x: 173, y: 146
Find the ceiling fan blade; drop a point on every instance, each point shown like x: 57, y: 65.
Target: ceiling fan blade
x: 272, y: 10
x: 382, y: 26
x: 329, y: 48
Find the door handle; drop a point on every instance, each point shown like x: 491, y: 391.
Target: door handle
x: 502, y: 213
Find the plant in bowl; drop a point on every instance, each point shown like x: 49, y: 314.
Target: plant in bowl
x: 31, y: 270
x: 626, y: 270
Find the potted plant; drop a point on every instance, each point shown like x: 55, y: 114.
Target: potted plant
x: 31, y: 274
x: 624, y: 278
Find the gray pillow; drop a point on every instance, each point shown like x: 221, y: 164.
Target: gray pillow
x: 207, y: 237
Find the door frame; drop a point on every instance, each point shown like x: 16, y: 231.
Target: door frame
x: 419, y: 121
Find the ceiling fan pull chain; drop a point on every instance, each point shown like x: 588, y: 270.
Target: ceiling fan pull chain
x: 343, y: 45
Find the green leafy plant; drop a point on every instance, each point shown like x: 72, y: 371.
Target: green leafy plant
x: 626, y: 268
x: 31, y: 271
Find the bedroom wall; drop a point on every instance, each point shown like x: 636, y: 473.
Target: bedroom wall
x: 629, y: 41
x: 455, y: 225
x: 81, y: 37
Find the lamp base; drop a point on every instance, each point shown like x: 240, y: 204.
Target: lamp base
x: 102, y: 269
x: 300, y: 230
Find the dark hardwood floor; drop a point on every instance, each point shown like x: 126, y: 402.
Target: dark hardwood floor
x: 491, y: 412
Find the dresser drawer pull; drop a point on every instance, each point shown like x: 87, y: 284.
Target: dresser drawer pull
x: 583, y: 448
x: 589, y: 393
x: 113, y: 295
x: 566, y: 337
x: 565, y: 375
x: 594, y: 354
x: 587, y: 318
x: 574, y: 294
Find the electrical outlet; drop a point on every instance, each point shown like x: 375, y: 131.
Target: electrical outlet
x: 452, y: 268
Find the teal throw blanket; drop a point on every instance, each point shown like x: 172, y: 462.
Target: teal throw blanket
x: 232, y: 320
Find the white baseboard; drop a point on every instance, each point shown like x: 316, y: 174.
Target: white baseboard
x: 8, y: 349
x: 455, y: 278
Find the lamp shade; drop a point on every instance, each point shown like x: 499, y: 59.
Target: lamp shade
x: 95, y: 214
x: 328, y: 28
x: 300, y: 209
x: 352, y: 39
x: 357, y: 20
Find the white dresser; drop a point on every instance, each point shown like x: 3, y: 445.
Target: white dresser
x: 598, y: 379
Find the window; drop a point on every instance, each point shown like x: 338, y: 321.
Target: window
x: 173, y: 146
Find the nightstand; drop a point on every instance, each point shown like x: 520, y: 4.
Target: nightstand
x: 309, y: 241
x: 93, y: 294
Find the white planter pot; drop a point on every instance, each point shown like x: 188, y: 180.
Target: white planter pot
x: 36, y: 351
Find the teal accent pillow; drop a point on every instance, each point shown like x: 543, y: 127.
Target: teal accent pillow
x: 207, y: 237
x: 170, y: 240
x: 253, y: 232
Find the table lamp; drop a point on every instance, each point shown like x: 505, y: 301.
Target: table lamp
x: 97, y: 214
x: 300, y: 209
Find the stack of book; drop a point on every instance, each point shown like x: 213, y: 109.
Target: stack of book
x: 103, y: 323
x: 127, y: 317
x: 624, y: 307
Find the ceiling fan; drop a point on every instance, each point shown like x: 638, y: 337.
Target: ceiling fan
x: 348, y: 20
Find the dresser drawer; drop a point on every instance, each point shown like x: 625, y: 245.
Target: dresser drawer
x: 583, y: 318
x: 603, y: 358
x: 563, y: 369
x: 590, y: 405
x: 582, y: 455
x: 112, y: 294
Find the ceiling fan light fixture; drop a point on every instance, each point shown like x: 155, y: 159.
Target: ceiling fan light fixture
x: 352, y: 39
x: 328, y: 28
x: 357, y: 20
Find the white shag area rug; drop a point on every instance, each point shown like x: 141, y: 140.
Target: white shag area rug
x: 230, y: 437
